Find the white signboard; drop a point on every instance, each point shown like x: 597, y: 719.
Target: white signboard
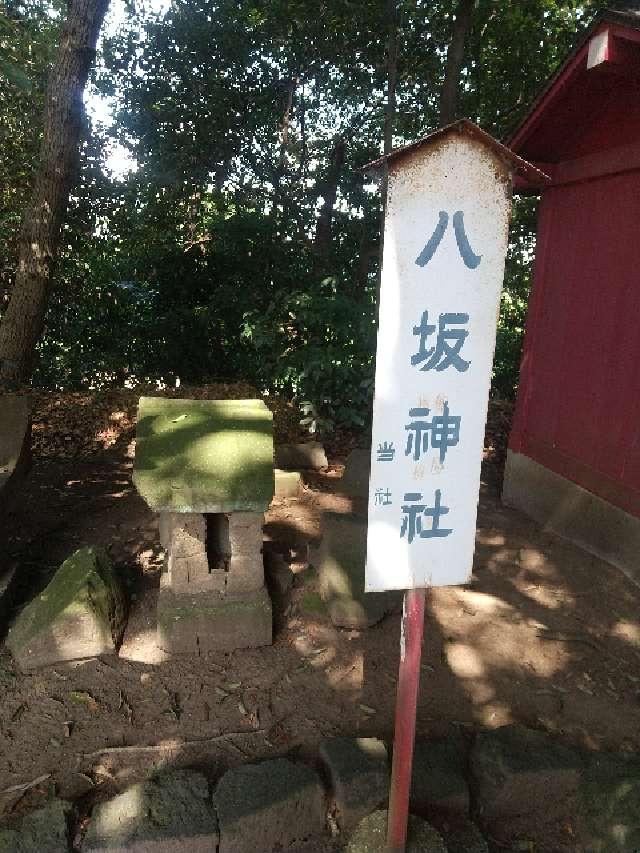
x: 445, y: 241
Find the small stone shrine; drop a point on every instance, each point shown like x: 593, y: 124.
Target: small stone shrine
x: 206, y: 466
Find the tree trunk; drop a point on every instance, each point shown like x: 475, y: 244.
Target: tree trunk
x: 329, y: 194
x: 455, y: 58
x: 39, y: 239
x: 281, y: 167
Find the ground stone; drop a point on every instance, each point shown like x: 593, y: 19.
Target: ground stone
x: 371, y: 836
x: 609, y: 805
x: 80, y: 614
x: 170, y: 813
x: 439, y: 783
x: 358, y: 774
x: 276, y: 805
x: 288, y: 483
x: 355, y: 480
x: 529, y: 786
x: 310, y: 455
x: 341, y: 560
x: 464, y: 837
x: 40, y: 831
x: 278, y: 575
x: 206, y: 456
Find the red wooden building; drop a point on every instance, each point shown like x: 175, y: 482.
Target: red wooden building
x: 574, y: 450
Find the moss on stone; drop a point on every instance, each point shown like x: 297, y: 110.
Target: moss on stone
x: 204, y: 455
x: 174, y: 607
x: 84, y: 583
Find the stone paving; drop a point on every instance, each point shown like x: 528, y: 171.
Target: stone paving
x: 517, y: 787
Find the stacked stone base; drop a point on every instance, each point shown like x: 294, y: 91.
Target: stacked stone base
x: 209, y: 622
x: 212, y: 594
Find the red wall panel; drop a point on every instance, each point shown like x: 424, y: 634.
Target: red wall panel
x: 579, y: 400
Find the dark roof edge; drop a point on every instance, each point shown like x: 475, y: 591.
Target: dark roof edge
x: 626, y: 18
x: 464, y: 127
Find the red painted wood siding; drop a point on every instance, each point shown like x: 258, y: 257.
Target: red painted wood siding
x: 578, y: 410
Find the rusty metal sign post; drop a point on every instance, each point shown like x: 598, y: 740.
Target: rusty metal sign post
x: 445, y: 241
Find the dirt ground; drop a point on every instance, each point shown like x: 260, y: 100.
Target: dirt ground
x: 545, y: 635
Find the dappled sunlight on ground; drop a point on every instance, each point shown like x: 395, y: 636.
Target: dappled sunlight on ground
x: 544, y: 635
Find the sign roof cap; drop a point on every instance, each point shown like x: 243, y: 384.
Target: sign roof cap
x: 463, y: 127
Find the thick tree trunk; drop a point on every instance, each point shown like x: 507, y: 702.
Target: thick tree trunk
x: 455, y: 58
x: 329, y: 194
x: 39, y: 239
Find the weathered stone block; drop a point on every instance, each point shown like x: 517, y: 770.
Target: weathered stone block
x: 15, y: 441
x: 207, y: 622
x: 371, y: 836
x: 245, y: 532
x: 187, y: 536
x: 80, y: 614
x: 278, y: 574
x: 528, y: 785
x: 358, y: 775
x: 516, y: 771
x: 355, y: 479
x: 246, y: 573
x: 40, y: 831
x: 170, y: 813
x: 309, y: 455
x: 206, y: 456
x: 464, y: 837
x: 288, y: 483
x: 341, y: 561
x: 186, y: 574
x: 439, y: 783
x: 608, y: 812
x: 276, y: 805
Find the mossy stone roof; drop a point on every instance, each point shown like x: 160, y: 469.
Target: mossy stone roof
x: 204, y: 455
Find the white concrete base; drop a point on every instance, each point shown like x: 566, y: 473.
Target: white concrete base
x: 574, y: 513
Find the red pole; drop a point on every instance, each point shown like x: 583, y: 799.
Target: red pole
x: 405, y: 726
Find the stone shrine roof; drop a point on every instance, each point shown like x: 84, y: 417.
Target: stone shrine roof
x: 204, y: 455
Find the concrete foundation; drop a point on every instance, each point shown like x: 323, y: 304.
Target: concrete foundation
x: 209, y: 622
x: 574, y: 513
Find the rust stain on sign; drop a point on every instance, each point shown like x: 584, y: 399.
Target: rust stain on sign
x: 506, y: 161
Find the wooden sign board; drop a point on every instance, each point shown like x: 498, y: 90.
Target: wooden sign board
x: 445, y: 241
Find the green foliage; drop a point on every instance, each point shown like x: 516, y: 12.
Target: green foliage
x: 318, y: 346
x: 203, y: 262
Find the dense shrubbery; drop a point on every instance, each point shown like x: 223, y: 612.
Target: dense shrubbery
x: 245, y: 244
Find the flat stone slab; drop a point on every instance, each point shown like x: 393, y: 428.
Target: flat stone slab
x: 358, y: 774
x: 40, y: 831
x: 355, y: 479
x: 288, y: 483
x: 307, y: 456
x: 465, y: 837
x: 371, y: 836
x: 15, y: 440
x: 170, y: 813
x: 80, y: 614
x: 528, y: 785
x: 278, y: 574
x: 208, y: 456
x: 341, y: 560
x: 439, y: 778
x: 209, y: 622
x: 268, y: 807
